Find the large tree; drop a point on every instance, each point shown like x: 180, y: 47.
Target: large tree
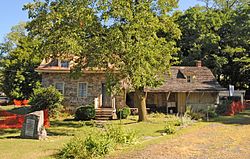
x: 219, y: 36
x: 138, y: 40
x: 18, y: 76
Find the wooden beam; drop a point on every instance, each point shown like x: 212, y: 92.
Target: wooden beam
x: 168, y: 95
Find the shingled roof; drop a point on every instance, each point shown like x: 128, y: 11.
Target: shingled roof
x: 201, y: 80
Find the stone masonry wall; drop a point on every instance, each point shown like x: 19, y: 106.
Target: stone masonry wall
x: 71, y: 100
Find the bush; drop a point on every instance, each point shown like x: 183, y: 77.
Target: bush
x: 175, y: 121
x: 85, y: 112
x: 212, y: 113
x: 223, y: 107
x: 186, y: 120
x: 120, y: 135
x: 74, y: 149
x: 123, y: 113
x: 97, y: 144
x: 46, y: 98
x: 170, y: 129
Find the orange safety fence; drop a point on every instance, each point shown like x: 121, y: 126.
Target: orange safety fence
x: 15, y: 121
x: 235, y: 107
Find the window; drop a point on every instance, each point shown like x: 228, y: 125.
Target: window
x: 82, y: 89
x: 189, y: 79
x: 60, y: 87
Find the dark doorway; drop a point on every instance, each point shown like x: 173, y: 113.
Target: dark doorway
x: 106, y: 98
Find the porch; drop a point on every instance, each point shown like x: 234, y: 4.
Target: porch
x: 175, y: 102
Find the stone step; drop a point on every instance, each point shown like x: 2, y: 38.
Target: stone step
x: 104, y: 113
x: 103, y: 118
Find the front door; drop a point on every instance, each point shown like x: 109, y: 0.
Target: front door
x: 106, y: 98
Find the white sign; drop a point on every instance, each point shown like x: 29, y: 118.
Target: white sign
x: 231, y: 90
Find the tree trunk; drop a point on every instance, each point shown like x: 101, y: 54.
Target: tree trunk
x: 140, y: 102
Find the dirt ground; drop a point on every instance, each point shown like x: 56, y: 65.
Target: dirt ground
x: 217, y: 140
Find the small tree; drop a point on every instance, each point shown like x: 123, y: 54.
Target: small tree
x: 46, y: 98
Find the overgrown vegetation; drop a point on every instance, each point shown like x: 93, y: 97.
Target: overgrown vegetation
x: 173, y: 123
x: 98, y: 143
x: 123, y: 113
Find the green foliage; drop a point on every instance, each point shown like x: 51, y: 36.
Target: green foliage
x: 85, y: 112
x: 223, y: 107
x: 74, y: 149
x: 219, y: 36
x: 170, y: 129
x: 123, y: 113
x: 173, y: 122
x: 186, y: 120
x: 18, y: 76
x: 157, y: 115
x: 211, y: 112
x: 120, y: 135
x: 46, y: 98
x: 97, y: 144
x: 133, y: 43
x: 195, y: 114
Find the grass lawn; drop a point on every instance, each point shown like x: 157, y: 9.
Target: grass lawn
x: 61, y: 131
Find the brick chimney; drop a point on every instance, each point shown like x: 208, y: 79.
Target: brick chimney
x: 198, y: 63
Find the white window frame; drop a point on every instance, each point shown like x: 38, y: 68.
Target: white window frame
x: 63, y: 84
x: 78, y: 89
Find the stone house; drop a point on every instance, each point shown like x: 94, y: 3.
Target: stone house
x: 194, y: 86
x: 89, y: 88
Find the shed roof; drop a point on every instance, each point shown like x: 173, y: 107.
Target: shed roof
x: 202, y: 80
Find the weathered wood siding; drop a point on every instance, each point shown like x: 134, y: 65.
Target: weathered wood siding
x: 200, y: 101
x: 181, y: 102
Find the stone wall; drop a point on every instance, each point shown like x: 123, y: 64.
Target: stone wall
x: 71, y: 100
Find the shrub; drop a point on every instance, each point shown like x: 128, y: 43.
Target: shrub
x: 212, y: 113
x: 74, y: 149
x: 85, y: 112
x: 223, y: 107
x: 46, y: 98
x: 97, y: 144
x: 123, y: 113
x: 186, y: 120
x: 120, y: 135
x: 170, y: 129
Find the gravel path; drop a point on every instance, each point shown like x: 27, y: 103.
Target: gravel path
x: 213, y: 141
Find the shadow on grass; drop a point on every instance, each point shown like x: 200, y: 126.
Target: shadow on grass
x: 69, y: 123
x: 242, y: 118
x: 8, y: 131
x: 60, y: 132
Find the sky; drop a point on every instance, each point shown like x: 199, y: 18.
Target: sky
x: 11, y: 13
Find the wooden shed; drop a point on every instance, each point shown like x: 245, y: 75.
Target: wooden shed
x: 186, y: 86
